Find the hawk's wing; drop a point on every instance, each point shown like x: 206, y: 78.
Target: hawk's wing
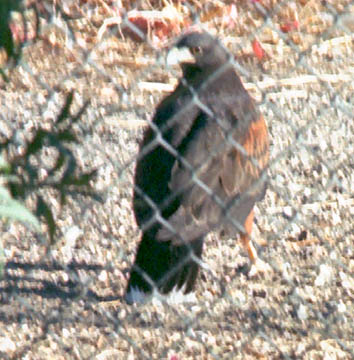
x: 213, y: 169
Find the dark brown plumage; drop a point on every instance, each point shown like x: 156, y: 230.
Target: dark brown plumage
x: 198, y: 170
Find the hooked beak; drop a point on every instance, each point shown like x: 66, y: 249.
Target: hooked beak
x: 179, y: 56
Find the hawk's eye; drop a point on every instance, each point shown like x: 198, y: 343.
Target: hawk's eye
x: 196, y: 50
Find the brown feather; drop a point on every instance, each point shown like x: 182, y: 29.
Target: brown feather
x: 194, y: 174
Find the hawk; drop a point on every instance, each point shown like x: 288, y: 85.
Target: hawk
x: 201, y: 168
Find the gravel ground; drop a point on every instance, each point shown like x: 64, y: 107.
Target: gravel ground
x: 66, y: 304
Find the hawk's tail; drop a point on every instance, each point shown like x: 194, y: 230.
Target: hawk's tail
x: 163, y: 266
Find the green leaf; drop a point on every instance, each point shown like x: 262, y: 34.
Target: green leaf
x: 5, y: 167
x: 36, y: 143
x: 5, y: 78
x: 81, y: 180
x: 13, y: 209
x: 64, y: 114
x: 44, y: 211
x: 58, y: 164
x: 2, y: 262
x: 80, y: 112
x: 67, y: 135
x: 6, y: 37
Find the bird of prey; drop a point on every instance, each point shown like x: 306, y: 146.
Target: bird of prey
x: 201, y: 168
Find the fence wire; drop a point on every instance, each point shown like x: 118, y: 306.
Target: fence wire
x: 296, y: 60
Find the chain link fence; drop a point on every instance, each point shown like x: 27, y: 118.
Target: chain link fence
x: 66, y: 301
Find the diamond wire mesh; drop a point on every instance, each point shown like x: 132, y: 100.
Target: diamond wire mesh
x: 58, y: 304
